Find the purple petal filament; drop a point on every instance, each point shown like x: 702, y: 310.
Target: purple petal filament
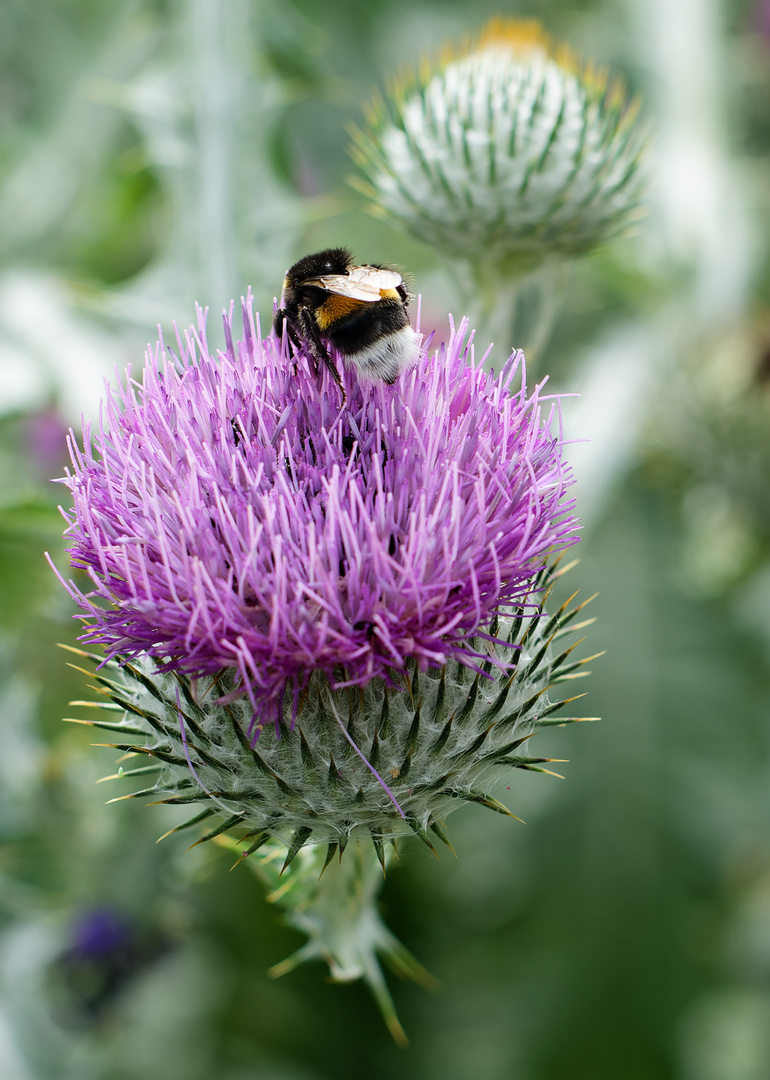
x: 231, y: 513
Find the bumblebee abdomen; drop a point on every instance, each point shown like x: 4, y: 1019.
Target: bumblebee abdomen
x: 364, y: 325
x: 387, y: 356
x: 334, y: 309
x: 377, y: 339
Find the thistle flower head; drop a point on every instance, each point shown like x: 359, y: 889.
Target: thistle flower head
x: 249, y: 524
x: 508, y: 151
x: 233, y: 515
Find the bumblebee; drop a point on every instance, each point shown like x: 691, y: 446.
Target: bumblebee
x: 360, y: 311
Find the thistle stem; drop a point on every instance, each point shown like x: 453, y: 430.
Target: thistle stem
x: 337, y: 910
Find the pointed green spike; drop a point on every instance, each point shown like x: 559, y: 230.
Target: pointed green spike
x: 331, y: 851
x: 379, y: 848
x: 192, y: 726
x: 107, y: 725
x: 209, y: 759
x: 559, y: 660
x: 414, y: 731
x: 445, y: 733
x: 512, y: 718
x: 435, y: 827
x: 374, y: 751
x: 334, y: 772
x: 462, y: 674
x: 566, y: 620
x: 134, y: 795
x: 384, y: 725
x: 475, y: 746
x: 534, y: 663
x: 202, y: 816
x: 223, y: 827
x: 191, y: 703
x: 257, y: 759
x: 85, y: 655
x: 483, y: 800
x: 103, y: 706
x: 500, y: 700
x: 515, y: 627
x: 375, y: 980
x: 573, y: 629
x: 434, y: 785
x: 128, y: 773
x: 560, y: 721
x: 470, y: 701
x: 557, y: 705
x: 169, y: 758
x: 567, y: 671
x: 402, y: 963
x: 305, y: 752
x: 308, y: 951
x: 149, y: 751
x: 438, y: 708
x: 419, y: 831
x: 519, y: 761
x: 343, y: 842
x: 559, y: 617
x: 154, y: 721
x: 415, y: 685
x: 558, y: 571
x: 261, y: 839
x: 184, y: 800
x: 406, y: 765
x: 351, y: 718
x: 139, y: 676
x: 127, y: 748
x: 538, y: 768
x: 503, y: 751
x: 299, y: 840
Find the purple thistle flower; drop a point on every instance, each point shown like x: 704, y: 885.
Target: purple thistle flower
x: 231, y: 514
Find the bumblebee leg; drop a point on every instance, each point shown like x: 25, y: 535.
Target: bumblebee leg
x: 282, y: 318
x: 317, y: 349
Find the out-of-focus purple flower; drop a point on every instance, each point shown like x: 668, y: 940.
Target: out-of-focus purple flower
x: 99, y: 932
x: 232, y: 513
x: 762, y: 19
x: 45, y: 435
x: 106, y: 951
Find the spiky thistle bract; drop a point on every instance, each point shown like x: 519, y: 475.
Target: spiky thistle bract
x: 443, y: 739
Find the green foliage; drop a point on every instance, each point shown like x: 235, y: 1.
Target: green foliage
x: 622, y: 935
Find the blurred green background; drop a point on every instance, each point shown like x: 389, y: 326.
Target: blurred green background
x: 157, y: 153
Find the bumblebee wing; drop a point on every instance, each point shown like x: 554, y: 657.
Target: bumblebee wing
x: 362, y: 283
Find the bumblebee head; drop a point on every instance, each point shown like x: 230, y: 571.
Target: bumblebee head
x: 319, y: 264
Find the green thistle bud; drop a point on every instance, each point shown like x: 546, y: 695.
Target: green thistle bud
x: 508, y: 152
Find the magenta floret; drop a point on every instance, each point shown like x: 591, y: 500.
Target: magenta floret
x: 231, y: 513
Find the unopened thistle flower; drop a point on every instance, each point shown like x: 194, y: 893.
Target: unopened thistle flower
x: 506, y: 152
x: 324, y: 623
